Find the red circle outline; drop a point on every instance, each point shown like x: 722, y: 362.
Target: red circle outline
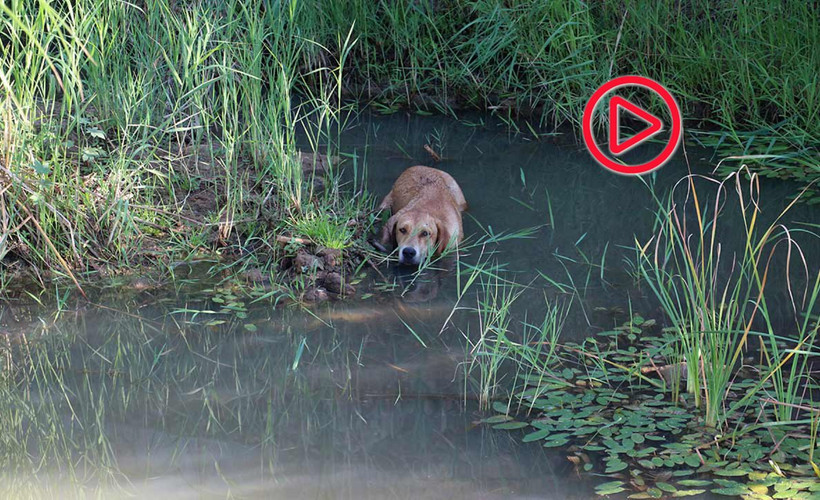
x: 674, y: 137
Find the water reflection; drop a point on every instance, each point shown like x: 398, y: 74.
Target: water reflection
x: 154, y: 395
x: 146, y: 401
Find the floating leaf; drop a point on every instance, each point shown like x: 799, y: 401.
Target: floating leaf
x: 683, y: 472
x: 790, y: 494
x: 728, y: 484
x: 556, y: 442
x: 687, y: 493
x: 694, y: 482
x: 666, y: 487
x: 615, y: 466
x: 692, y: 460
x: 740, y: 471
x: 496, y: 419
x: 511, y: 426
x: 610, y: 488
x: 731, y: 492
x: 759, y: 488
x: 535, y: 436
x: 500, y: 407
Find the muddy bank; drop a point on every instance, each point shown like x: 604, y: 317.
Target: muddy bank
x: 198, y: 223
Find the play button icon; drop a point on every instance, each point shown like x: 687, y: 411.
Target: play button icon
x: 616, y: 146
x: 613, y: 108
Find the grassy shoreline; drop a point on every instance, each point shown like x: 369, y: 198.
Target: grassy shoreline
x: 139, y: 134
x: 746, y: 73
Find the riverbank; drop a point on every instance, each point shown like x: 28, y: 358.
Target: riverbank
x: 744, y: 73
x: 137, y: 135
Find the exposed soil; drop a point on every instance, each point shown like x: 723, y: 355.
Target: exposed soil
x: 195, y: 213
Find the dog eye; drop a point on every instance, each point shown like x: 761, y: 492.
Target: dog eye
x: 424, y: 234
x: 403, y: 231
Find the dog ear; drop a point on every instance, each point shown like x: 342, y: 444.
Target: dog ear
x: 444, y: 238
x: 388, y: 236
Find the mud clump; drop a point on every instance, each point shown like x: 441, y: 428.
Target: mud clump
x: 306, y: 262
x: 315, y: 294
x: 325, y: 273
x: 332, y: 257
x: 254, y: 275
x: 335, y: 283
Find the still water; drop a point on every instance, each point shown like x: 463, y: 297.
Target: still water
x: 154, y: 396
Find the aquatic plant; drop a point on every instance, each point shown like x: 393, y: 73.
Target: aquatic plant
x: 596, y: 400
x: 501, y: 349
x: 324, y: 229
x: 714, y: 294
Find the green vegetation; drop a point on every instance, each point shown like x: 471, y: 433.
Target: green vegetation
x: 747, y: 69
x: 721, y: 386
x: 136, y: 133
x: 713, y: 293
x: 144, y: 133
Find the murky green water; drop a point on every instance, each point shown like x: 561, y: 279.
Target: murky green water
x: 153, y: 395
x: 587, y: 216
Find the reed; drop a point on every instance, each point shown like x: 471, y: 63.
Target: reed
x: 135, y: 126
x: 746, y: 72
x: 714, y: 295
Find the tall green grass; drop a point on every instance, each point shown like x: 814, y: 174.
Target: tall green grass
x: 748, y: 69
x: 503, y: 347
x: 117, y: 116
x: 716, y: 295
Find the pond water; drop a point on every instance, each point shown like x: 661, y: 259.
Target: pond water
x: 153, y: 395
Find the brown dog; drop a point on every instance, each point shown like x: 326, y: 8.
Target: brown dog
x: 426, y: 205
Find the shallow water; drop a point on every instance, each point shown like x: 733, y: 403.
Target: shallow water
x: 587, y: 217
x: 150, y: 396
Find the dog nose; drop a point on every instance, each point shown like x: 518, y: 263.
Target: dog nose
x: 408, y: 252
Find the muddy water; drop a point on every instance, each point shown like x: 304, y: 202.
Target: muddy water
x: 155, y: 396
x: 150, y: 401
x: 587, y: 217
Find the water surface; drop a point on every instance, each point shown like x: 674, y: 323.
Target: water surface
x: 153, y: 395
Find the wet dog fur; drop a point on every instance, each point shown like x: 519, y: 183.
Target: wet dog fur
x: 426, y: 205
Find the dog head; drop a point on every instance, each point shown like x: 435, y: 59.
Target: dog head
x: 417, y: 235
